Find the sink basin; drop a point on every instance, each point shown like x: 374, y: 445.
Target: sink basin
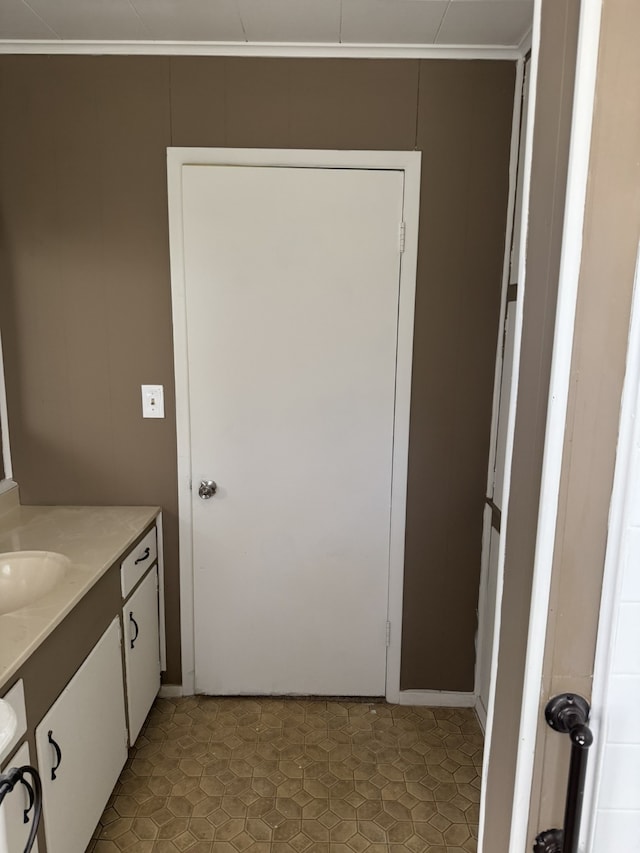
x: 26, y: 576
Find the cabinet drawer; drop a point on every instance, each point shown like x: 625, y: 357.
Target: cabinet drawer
x: 133, y: 568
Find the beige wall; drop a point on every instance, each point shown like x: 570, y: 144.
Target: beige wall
x: 611, y: 236
x: 85, y: 300
x: 552, y: 126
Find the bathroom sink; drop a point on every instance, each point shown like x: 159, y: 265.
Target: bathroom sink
x: 26, y: 576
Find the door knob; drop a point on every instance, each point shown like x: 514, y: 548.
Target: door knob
x: 207, y: 489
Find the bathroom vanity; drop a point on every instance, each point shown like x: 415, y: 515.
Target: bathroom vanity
x: 80, y: 665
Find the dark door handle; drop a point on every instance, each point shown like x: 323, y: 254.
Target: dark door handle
x: 58, y: 752
x: 135, y: 625
x: 568, y: 713
x: 144, y: 557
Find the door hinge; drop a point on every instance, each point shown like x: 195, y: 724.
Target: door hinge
x: 504, y: 339
x: 388, y: 634
x: 401, y: 236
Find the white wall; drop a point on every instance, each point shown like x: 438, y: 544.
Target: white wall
x: 617, y: 822
x: 613, y: 800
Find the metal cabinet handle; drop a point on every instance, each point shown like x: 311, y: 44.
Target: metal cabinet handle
x: 144, y: 557
x: 32, y: 798
x: 58, y: 752
x: 135, y: 625
x: 34, y: 791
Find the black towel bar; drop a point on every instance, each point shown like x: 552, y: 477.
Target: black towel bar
x: 568, y: 713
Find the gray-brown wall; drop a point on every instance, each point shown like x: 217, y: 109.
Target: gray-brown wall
x: 85, y: 302
x: 554, y: 100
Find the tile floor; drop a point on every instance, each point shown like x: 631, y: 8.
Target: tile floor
x: 214, y: 775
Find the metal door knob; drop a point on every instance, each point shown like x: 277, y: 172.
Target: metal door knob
x: 207, y: 489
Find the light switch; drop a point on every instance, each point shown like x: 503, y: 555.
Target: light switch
x: 152, y: 401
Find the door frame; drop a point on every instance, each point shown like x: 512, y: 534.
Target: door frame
x: 5, y: 449
x: 577, y: 177
x: 409, y: 163
x: 516, y: 179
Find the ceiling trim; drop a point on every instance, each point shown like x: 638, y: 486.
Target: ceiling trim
x: 526, y: 42
x: 264, y: 49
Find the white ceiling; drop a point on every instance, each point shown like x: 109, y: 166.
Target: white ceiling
x: 479, y: 23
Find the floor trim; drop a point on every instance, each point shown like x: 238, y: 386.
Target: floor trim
x: 481, y: 713
x: 437, y: 698
x: 423, y: 698
x: 170, y: 691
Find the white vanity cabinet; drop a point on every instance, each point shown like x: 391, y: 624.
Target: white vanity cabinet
x: 14, y: 832
x: 82, y: 747
x: 141, y: 651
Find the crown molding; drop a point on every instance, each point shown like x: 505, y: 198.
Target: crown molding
x: 259, y: 49
x: 526, y: 42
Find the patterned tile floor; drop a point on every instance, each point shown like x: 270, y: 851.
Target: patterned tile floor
x: 297, y: 776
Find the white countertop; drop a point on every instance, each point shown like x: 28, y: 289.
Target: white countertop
x: 91, y: 537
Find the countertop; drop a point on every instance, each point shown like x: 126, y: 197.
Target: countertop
x: 91, y: 537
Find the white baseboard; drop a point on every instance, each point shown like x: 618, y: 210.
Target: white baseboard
x: 426, y: 698
x: 481, y: 713
x: 170, y: 691
x: 437, y: 698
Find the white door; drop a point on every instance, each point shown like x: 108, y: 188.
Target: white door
x: 292, y: 284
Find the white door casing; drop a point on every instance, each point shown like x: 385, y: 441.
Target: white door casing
x: 578, y: 172
x: 499, y: 467
x: 400, y: 170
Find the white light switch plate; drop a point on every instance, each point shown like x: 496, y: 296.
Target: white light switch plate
x: 152, y: 401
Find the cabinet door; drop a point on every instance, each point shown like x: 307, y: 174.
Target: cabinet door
x: 82, y: 748
x: 142, y: 651
x: 14, y: 832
